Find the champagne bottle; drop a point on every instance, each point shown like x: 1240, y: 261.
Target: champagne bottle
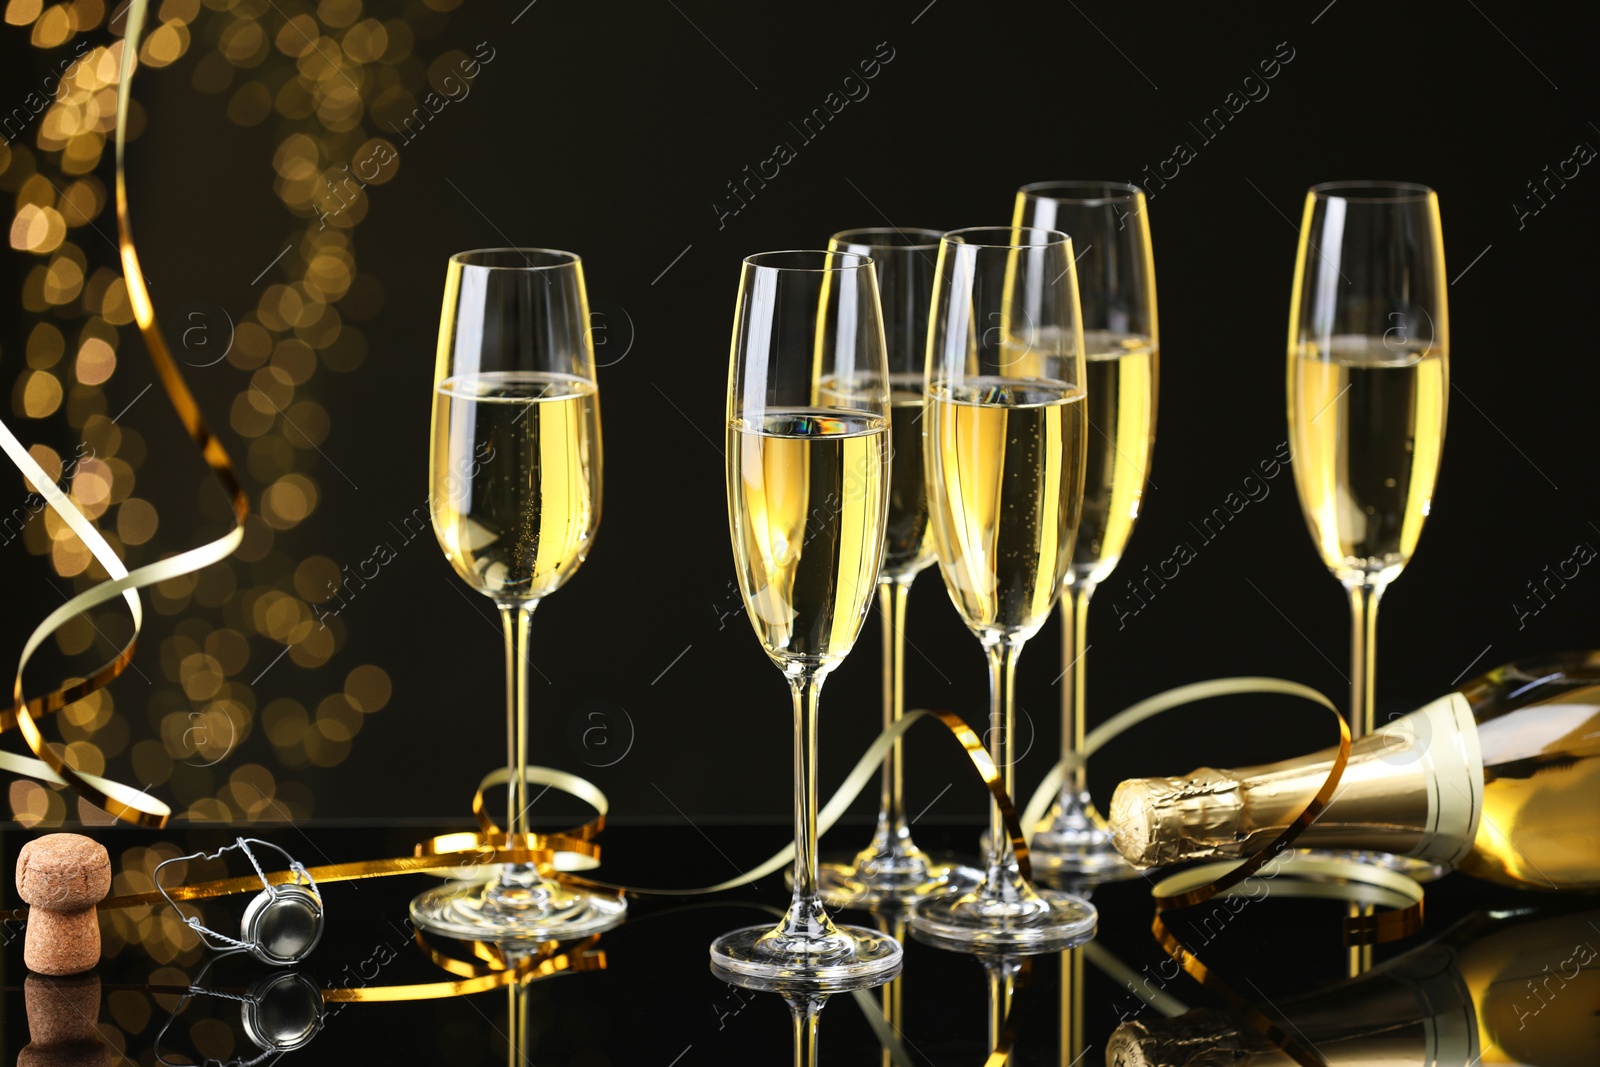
x: 1500, y: 779
x: 1505, y: 987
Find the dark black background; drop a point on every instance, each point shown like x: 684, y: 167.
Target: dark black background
x: 611, y: 129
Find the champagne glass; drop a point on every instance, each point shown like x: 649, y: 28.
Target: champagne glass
x: 1004, y: 431
x: 1110, y: 229
x: 1369, y: 383
x: 892, y: 866
x: 808, y: 492
x: 514, y: 491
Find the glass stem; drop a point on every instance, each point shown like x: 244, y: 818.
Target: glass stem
x: 516, y: 617
x: 1002, y: 860
x: 1363, y: 648
x: 1002, y: 974
x: 1071, y: 1016
x: 893, y: 990
x: 1074, y: 718
x: 519, y: 1043
x: 1364, y: 599
x: 806, y: 1013
x: 892, y: 595
x: 806, y: 917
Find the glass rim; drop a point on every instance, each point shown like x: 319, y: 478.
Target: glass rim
x: 561, y: 258
x: 957, y: 237
x: 1110, y: 192
x: 755, y: 258
x: 906, y: 244
x: 1378, y: 192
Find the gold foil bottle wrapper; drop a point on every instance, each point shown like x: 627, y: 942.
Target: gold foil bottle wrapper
x: 1154, y: 819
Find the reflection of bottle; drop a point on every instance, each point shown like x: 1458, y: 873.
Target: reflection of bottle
x: 1501, y: 987
x: 1501, y: 778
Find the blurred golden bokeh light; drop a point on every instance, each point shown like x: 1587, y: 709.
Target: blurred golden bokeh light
x: 319, y: 70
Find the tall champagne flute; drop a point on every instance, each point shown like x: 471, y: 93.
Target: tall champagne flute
x: 1004, y: 433
x: 514, y: 491
x: 1369, y: 384
x: 1110, y: 230
x: 892, y: 866
x: 808, y: 493
x: 1368, y: 389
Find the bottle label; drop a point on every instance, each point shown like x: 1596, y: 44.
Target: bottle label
x: 1444, y: 1004
x: 1443, y: 737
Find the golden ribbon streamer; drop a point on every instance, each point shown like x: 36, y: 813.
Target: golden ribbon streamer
x: 1178, y: 898
x: 1329, y: 878
x: 568, y: 850
x: 1178, y: 696
x: 1128, y: 978
x: 123, y: 802
x: 498, y: 973
x: 888, y: 1037
x: 860, y: 775
x: 557, y: 854
x: 1333, y: 875
x: 494, y: 973
x: 1191, y: 889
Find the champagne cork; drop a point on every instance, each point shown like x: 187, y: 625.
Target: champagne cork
x: 63, y: 1014
x: 62, y: 877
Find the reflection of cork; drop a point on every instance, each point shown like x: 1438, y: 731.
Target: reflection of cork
x: 63, y: 1016
x: 62, y: 877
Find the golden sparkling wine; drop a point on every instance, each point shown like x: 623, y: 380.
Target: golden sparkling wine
x: 516, y: 479
x: 1500, y: 779
x: 1122, y: 418
x: 1005, y: 468
x: 1366, y: 423
x: 907, y: 543
x: 1502, y: 987
x: 808, y: 493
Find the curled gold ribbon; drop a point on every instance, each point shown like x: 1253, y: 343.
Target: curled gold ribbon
x: 448, y: 853
x: 1187, y: 890
x: 553, y: 852
x: 495, y: 973
x: 1202, y: 884
x: 560, y: 853
x: 1180, y: 897
x: 863, y: 772
x: 123, y: 802
x: 568, y: 850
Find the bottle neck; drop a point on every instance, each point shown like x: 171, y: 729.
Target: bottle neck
x: 1520, y: 986
x: 1415, y: 1010
x: 1413, y: 788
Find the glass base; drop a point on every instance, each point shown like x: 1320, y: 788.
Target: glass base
x: 1414, y: 869
x: 1074, y: 840
x: 1038, y: 920
x: 502, y: 912
x: 850, y: 884
x: 849, y: 957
